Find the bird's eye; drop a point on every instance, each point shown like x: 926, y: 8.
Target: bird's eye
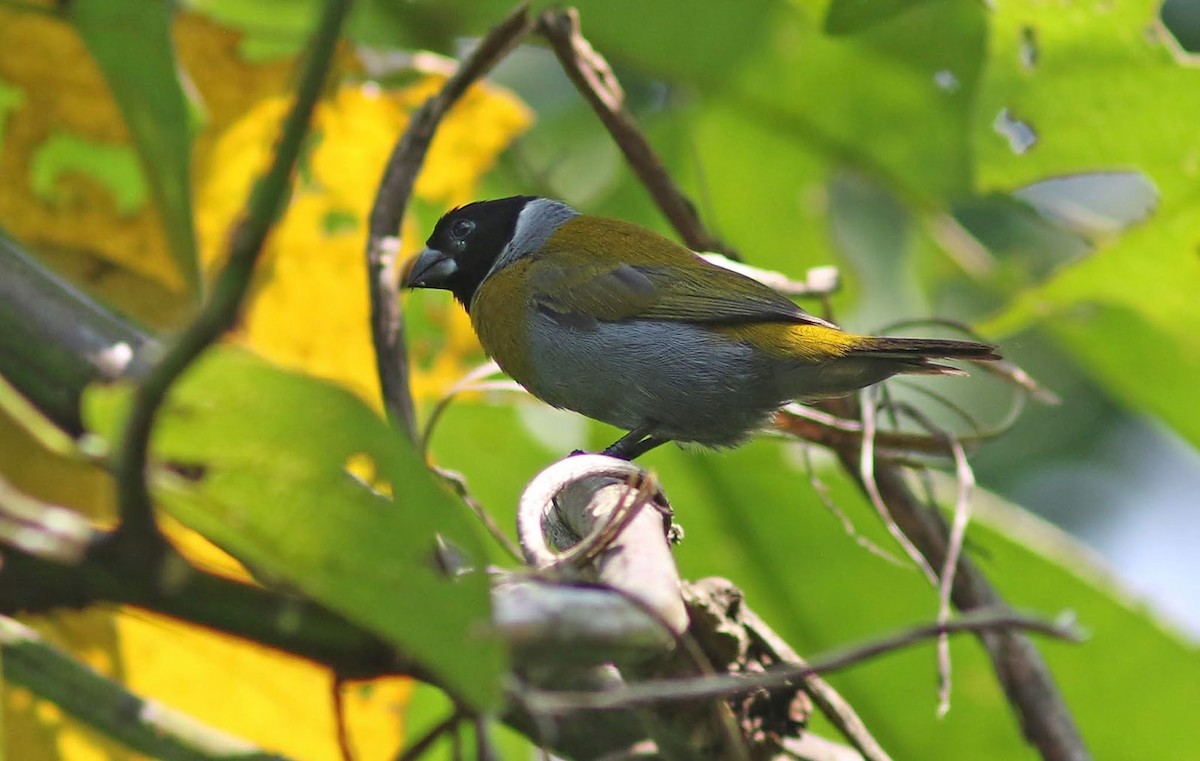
x: 461, y: 229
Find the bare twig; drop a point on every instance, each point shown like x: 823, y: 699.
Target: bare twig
x: 138, y: 534
x: 866, y: 472
x: 458, y: 482
x: 594, y: 79
x: 822, y: 491
x: 336, y: 685
x: 391, y: 201
x: 475, y: 380
x: 836, y: 709
x: 729, y: 684
x: 965, y: 478
x: 741, y: 641
x: 485, y: 749
x: 833, y: 431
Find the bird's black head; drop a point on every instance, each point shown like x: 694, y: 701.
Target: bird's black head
x: 466, y: 244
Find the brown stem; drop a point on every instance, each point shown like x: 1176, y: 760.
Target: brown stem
x: 1045, y: 719
x: 594, y: 79
x: 391, y: 200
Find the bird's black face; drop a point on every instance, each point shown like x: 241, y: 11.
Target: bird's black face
x: 464, y: 246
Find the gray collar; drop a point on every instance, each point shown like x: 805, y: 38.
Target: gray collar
x: 535, y: 224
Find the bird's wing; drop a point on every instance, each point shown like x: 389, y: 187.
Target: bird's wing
x: 669, y: 284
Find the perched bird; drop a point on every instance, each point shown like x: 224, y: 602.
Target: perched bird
x: 618, y: 323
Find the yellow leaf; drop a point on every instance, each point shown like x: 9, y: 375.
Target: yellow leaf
x: 310, y: 308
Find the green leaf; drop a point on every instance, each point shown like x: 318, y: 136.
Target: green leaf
x: 1152, y: 369
x: 848, y: 16
x: 131, y: 42
x: 265, y: 452
x: 1103, y: 93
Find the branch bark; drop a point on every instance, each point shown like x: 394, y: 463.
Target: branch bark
x: 1026, y: 679
x: 391, y: 201
x: 594, y: 79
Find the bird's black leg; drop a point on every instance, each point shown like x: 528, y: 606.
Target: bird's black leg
x: 635, y: 443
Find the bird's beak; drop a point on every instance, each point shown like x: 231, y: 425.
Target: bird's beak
x: 430, y: 269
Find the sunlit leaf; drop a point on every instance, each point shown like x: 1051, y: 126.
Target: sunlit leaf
x: 269, y: 451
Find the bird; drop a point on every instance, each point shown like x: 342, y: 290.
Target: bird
x: 624, y: 325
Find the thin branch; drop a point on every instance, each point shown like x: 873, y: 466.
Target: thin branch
x: 336, y: 684
x: 866, y: 473
x: 35, y: 585
x: 965, y: 478
x: 485, y: 749
x: 138, y: 533
x: 836, y: 709
x: 458, y: 482
x: 833, y: 431
x: 473, y: 380
x: 670, y: 690
x: 594, y: 79
x: 822, y: 491
x: 391, y: 201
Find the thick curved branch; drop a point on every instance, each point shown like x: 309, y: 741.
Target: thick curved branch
x: 391, y: 200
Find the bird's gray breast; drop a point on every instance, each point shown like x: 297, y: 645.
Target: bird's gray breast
x: 695, y: 384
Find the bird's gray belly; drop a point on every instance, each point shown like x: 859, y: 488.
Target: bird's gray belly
x: 692, y: 384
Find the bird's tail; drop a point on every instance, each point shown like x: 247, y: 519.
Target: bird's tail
x: 917, y: 354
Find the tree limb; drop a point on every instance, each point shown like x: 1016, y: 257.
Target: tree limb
x: 391, y: 200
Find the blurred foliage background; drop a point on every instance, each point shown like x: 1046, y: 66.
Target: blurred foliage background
x: 1029, y: 168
